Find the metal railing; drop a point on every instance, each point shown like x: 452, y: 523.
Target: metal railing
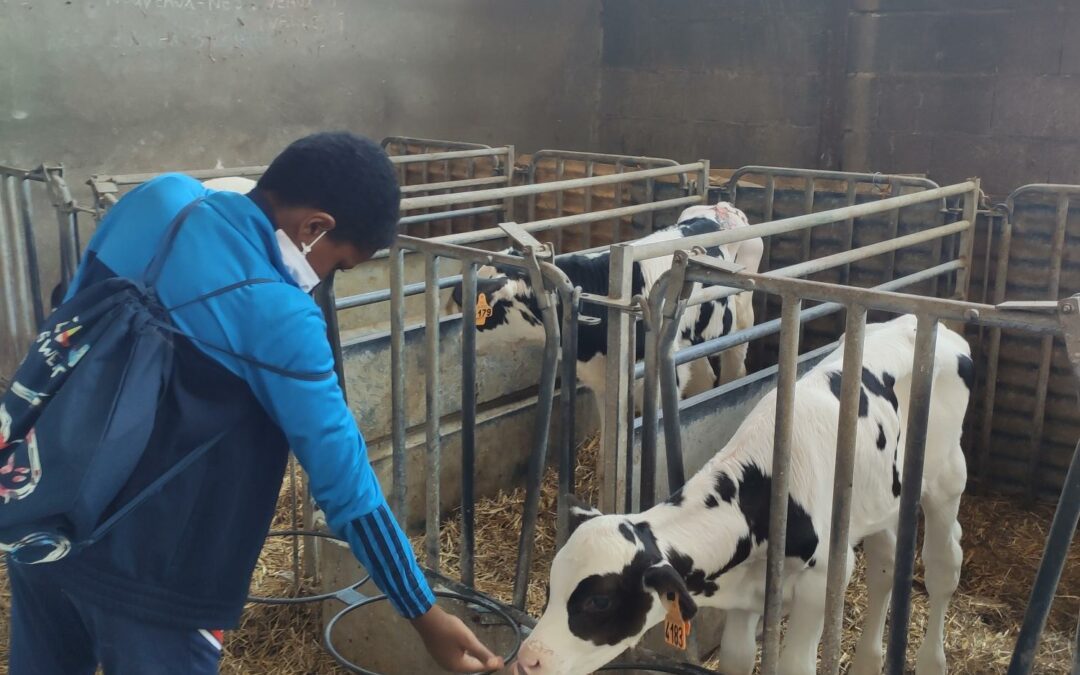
x: 678, y: 172
x: 621, y: 490
x: 856, y: 301
x: 1051, y: 253
x: 548, y: 282
x: 24, y: 295
x: 23, y: 310
x: 589, y: 162
x: 107, y: 188
x: 811, y: 188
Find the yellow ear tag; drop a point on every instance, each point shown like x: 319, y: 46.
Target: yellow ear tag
x: 483, y: 310
x: 676, y: 630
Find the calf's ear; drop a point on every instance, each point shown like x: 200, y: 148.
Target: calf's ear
x: 579, y: 512
x: 666, y: 581
x: 455, y: 295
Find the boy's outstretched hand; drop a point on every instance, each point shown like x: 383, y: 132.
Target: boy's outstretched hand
x: 453, y: 646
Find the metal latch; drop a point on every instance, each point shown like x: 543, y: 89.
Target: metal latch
x: 525, y: 241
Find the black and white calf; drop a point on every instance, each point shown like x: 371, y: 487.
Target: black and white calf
x: 706, y: 546
x: 516, y: 317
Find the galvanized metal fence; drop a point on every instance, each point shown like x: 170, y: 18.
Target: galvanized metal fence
x: 561, y: 164
x: 24, y: 301
x: 672, y: 294
x: 1026, y: 431
x: 944, y: 231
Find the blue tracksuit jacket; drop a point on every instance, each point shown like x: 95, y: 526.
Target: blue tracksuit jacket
x: 185, y: 557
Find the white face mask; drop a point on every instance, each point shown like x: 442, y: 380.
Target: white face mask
x: 295, y: 260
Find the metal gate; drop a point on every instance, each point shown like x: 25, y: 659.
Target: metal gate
x: 672, y: 294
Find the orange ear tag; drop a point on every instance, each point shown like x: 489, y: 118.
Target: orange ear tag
x: 676, y: 630
x: 483, y: 310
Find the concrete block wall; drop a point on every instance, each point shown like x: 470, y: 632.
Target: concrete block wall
x: 958, y: 89
x: 735, y: 82
x: 948, y: 88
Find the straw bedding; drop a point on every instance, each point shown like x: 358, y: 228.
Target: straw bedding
x: 1002, y: 547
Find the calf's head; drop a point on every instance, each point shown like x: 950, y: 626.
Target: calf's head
x: 507, y: 293
x: 609, y: 584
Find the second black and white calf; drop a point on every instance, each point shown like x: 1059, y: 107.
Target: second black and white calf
x: 706, y: 547
x: 516, y: 316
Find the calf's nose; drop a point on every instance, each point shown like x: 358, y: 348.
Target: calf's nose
x: 529, y: 661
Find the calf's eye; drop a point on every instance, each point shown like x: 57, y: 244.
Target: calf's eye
x: 597, y: 603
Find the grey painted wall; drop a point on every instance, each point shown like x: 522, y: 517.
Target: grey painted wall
x: 960, y: 88
x: 950, y: 88
x: 736, y: 82
x: 147, y: 85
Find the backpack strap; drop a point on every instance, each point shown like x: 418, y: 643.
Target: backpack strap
x: 309, y: 376
x: 153, y: 270
x: 147, y: 492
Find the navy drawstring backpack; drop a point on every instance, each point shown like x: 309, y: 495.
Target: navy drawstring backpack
x: 79, y: 412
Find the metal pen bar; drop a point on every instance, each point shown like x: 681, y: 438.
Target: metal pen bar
x: 374, y: 297
x: 616, y: 232
x: 869, y: 251
x: 613, y: 482
x: 523, y: 190
x: 967, y: 244
x: 894, y: 231
x: 454, y: 213
x: 846, y: 243
x: 67, y: 221
x: 399, y: 141
x: 1062, y: 529
x: 571, y: 304
x: 508, y: 177
x: 781, y: 479
x: 633, y: 457
x: 986, y: 437
x: 762, y: 299
x: 425, y: 173
x: 493, y: 233
x: 1058, y: 542
x: 397, y: 381
x: 789, y: 172
x: 835, y: 260
x: 433, y: 467
x: 8, y: 255
x: 645, y: 251
x: 666, y: 306
x: 560, y: 172
x: 922, y: 380
x: 468, y: 422
x: 651, y: 393
x: 808, y: 207
x: 462, y: 253
x: 538, y: 456
x: 1046, y: 351
x: 601, y: 157
x: 900, y: 303
x: 18, y: 259
x: 843, y: 477
x: 32, y: 269
x: 760, y: 330
x: 447, y: 155
x: 590, y: 168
